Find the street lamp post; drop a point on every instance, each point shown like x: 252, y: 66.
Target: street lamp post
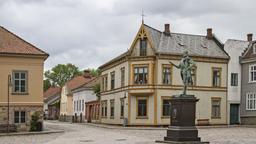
x: 8, y: 102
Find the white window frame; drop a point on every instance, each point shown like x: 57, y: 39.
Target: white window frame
x: 250, y: 66
x: 251, y: 96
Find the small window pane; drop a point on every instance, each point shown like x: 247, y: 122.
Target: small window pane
x: 16, y: 75
x: 23, y: 75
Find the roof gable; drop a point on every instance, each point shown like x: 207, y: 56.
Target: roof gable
x: 13, y: 44
x: 248, y: 53
x: 141, y: 34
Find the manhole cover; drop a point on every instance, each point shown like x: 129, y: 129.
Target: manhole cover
x: 120, y: 139
x: 85, y: 141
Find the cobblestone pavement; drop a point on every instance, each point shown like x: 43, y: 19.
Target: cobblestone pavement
x: 85, y: 134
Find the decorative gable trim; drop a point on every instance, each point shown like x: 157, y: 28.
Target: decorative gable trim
x: 141, y: 34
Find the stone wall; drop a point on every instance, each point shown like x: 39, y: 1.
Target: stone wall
x: 20, y: 126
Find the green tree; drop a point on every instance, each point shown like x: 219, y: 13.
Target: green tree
x: 94, y: 72
x: 62, y: 73
x: 47, y: 84
x: 96, y: 90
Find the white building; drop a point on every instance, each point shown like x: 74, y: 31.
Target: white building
x: 235, y: 49
x: 82, y: 95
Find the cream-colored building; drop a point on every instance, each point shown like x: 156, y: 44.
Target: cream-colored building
x: 66, y: 101
x: 22, y: 64
x: 137, y: 85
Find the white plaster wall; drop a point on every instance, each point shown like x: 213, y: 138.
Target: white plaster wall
x: 87, y: 96
x: 234, y: 48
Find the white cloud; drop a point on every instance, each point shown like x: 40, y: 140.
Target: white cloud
x: 89, y: 33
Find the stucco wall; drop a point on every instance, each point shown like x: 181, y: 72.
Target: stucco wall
x: 87, y: 96
x: 34, y: 67
x: 246, y: 87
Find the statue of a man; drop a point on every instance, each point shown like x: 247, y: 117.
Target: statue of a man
x: 185, y: 67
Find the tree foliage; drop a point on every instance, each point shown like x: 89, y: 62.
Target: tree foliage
x: 62, y: 73
x: 96, y: 89
x: 94, y: 72
x: 47, y: 84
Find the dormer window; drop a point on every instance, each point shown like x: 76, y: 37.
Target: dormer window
x: 143, y: 47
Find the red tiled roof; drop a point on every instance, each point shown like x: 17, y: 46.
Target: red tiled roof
x: 13, y: 44
x: 77, y: 82
x: 52, y: 91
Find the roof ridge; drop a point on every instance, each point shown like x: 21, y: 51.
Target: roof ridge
x: 176, y: 32
x: 24, y: 40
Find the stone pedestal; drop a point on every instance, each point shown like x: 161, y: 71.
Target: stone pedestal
x: 182, y: 128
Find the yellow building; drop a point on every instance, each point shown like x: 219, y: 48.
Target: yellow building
x: 22, y: 64
x: 138, y: 84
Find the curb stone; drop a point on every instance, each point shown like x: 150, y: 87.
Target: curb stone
x: 31, y: 133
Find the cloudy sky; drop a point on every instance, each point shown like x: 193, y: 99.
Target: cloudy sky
x: 88, y: 33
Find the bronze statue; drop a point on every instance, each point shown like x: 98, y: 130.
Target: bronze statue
x: 185, y: 67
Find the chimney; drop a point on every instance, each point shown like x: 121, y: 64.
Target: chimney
x: 249, y: 37
x: 87, y: 73
x: 209, y: 33
x: 167, y: 29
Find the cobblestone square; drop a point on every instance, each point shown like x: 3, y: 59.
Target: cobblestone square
x: 87, y: 134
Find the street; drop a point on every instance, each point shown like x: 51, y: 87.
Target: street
x: 82, y: 133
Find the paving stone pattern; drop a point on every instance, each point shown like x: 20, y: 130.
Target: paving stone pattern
x: 86, y: 134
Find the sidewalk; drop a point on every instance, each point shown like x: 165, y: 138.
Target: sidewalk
x: 120, y: 127
x: 32, y: 133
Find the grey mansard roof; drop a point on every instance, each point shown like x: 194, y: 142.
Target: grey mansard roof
x: 177, y: 43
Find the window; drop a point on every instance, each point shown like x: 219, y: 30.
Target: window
x: 193, y: 75
x: 112, y: 80
x: 20, y: 81
x: 143, y: 47
x: 215, y: 108
x: 252, y: 73
x: 140, y: 75
x: 82, y: 105
x: 142, y: 107
x: 216, y: 76
x: 104, y: 109
x: 166, y: 74
x: 74, y: 105
x: 251, y: 101
x: 166, y: 107
x: 122, y: 76
x: 77, y: 105
x: 19, y: 117
x: 112, y: 108
x: 122, y: 107
x: 105, y: 82
x: 234, y: 79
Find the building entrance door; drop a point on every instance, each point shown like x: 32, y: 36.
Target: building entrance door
x: 234, y: 113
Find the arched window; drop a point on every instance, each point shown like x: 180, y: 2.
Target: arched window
x: 143, y: 47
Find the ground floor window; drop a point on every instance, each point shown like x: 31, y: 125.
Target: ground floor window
x: 216, y: 108
x: 142, y: 107
x: 251, y: 101
x: 166, y: 109
x: 104, y: 109
x: 122, y: 107
x: 112, y: 108
x: 19, y: 117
